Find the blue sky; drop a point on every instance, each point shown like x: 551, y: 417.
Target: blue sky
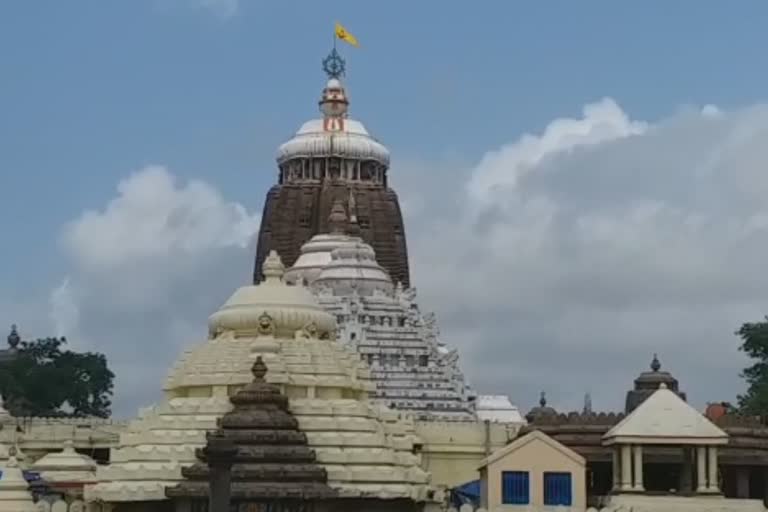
x: 94, y: 90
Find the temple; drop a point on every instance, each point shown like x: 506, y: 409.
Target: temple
x: 366, y: 451
x: 411, y: 369
x: 323, y: 386
x: 333, y: 158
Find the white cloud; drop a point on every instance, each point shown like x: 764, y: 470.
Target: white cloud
x: 503, y: 168
x: 579, y: 252
x: 574, y: 255
x: 147, y: 270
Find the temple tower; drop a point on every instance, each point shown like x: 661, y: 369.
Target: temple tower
x: 333, y: 159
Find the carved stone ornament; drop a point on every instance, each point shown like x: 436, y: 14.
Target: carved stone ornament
x: 266, y: 325
x: 310, y: 330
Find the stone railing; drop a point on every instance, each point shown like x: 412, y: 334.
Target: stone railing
x: 576, y: 418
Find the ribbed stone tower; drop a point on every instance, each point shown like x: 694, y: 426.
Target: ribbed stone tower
x: 330, y: 159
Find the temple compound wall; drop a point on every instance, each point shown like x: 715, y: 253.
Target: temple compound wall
x: 451, y: 451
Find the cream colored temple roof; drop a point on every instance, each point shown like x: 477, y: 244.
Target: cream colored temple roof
x: 66, y: 466
x: 14, y: 489
x: 366, y: 450
x: 665, y: 418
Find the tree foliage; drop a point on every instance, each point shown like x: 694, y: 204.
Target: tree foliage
x: 44, y: 379
x: 754, y: 338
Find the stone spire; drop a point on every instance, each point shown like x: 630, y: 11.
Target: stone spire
x: 337, y: 220
x: 655, y: 364
x: 272, y: 462
x: 542, y: 411
x: 354, y: 228
x: 13, y: 338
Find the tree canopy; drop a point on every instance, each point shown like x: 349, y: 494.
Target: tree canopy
x: 45, y: 379
x: 754, y: 338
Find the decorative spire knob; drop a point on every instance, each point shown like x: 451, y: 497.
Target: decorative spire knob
x: 13, y: 338
x: 273, y: 267
x: 543, y: 399
x: 337, y: 220
x: 655, y: 364
x: 259, y: 369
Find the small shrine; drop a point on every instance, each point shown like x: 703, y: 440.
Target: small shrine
x: 66, y: 472
x: 269, y: 460
x: 14, y: 489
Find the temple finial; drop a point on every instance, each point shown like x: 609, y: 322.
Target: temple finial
x: 543, y: 399
x: 273, y: 268
x: 333, y: 65
x: 655, y: 364
x: 13, y: 338
x: 259, y: 369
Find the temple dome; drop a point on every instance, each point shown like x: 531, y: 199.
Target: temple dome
x: 333, y: 135
x: 272, y: 306
x: 315, y: 254
x: 354, y: 266
x: 367, y: 451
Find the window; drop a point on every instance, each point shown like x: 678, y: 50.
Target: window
x: 423, y: 360
x: 515, y: 488
x: 557, y: 489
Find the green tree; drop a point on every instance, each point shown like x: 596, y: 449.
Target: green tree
x: 44, y: 379
x: 754, y: 338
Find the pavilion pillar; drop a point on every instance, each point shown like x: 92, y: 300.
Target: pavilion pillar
x: 712, y: 464
x: 616, y: 468
x: 638, y: 457
x: 626, y: 467
x: 701, y: 469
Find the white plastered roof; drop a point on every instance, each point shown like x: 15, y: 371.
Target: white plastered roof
x: 665, y: 418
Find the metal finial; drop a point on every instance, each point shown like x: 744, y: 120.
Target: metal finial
x: 543, y: 399
x: 334, y: 65
x: 655, y: 364
x: 259, y: 369
x: 13, y: 338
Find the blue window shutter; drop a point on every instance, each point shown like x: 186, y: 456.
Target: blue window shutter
x: 515, y: 488
x: 558, y: 489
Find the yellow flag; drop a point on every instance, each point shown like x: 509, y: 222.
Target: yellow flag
x: 342, y: 34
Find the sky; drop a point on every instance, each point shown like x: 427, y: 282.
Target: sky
x: 583, y: 183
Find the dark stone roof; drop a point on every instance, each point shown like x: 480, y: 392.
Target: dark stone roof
x: 270, y: 457
x: 295, y: 212
x: 542, y: 412
x: 648, y: 382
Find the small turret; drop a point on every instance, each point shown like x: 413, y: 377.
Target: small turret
x: 648, y: 382
x: 13, y: 338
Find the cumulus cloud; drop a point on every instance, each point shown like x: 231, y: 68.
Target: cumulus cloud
x: 559, y: 261
x: 147, y: 270
x: 580, y: 251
